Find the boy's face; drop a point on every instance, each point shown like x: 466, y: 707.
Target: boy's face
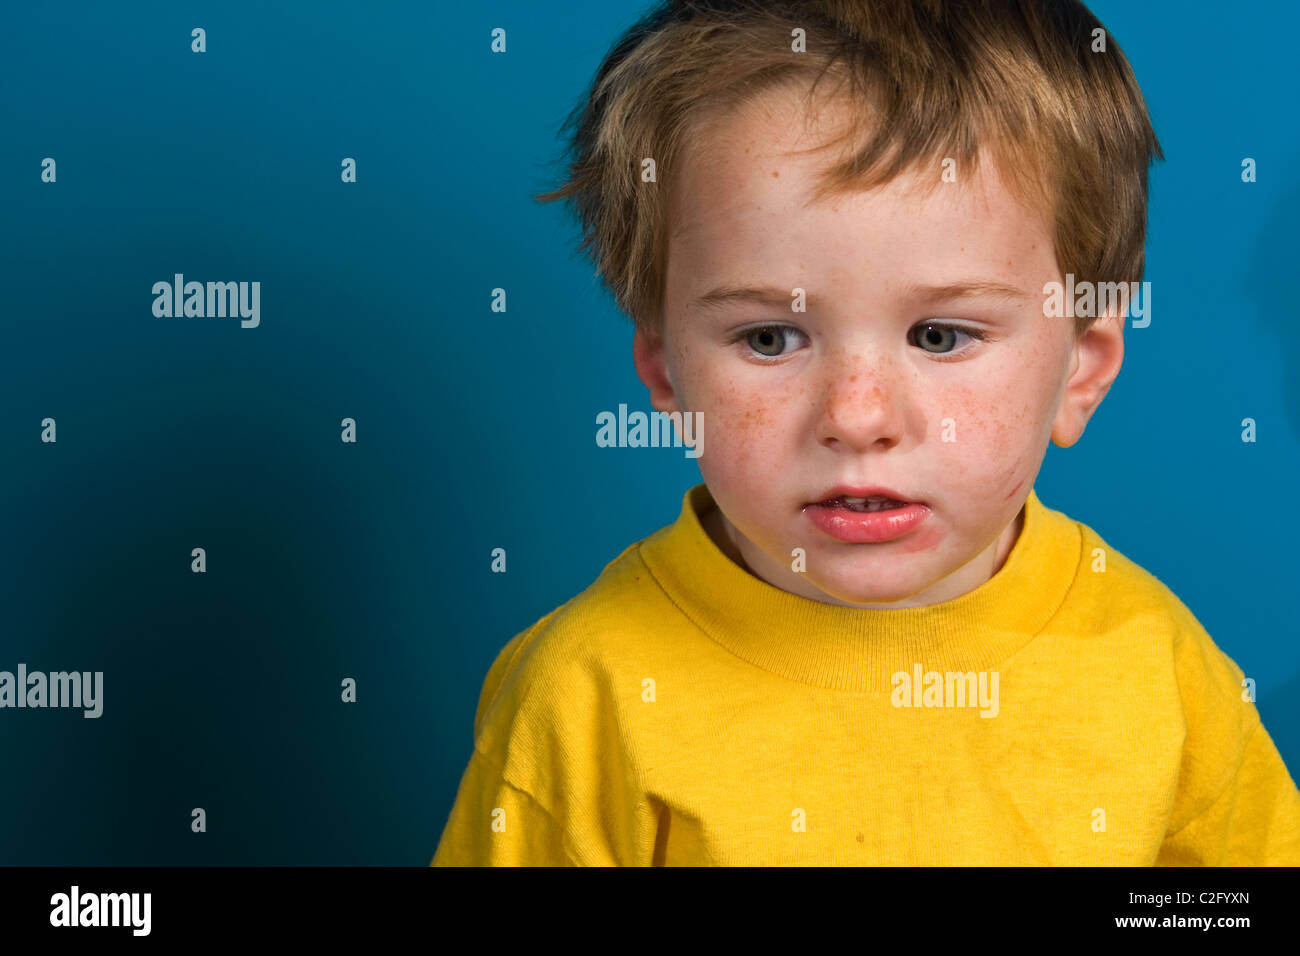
x: 853, y: 391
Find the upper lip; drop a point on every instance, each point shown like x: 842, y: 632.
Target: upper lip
x: 863, y: 491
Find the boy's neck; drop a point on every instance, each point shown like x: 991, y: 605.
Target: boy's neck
x: 1008, y: 541
x: 719, y: 530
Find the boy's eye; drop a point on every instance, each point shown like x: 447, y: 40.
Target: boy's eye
x: 938, y: 337
x: 770, y: 340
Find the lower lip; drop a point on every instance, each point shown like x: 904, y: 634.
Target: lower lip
x: 866, y: 527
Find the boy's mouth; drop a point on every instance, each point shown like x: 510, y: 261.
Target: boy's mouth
x: 864, y: 499
x: 873, y: 503
x: 865, y: 515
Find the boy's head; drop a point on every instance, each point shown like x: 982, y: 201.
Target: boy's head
x: 903, y: 190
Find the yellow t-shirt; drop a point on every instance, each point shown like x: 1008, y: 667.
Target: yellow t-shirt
x: 1070, y: 710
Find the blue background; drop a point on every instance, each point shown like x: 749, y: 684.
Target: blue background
x: 476, y: 429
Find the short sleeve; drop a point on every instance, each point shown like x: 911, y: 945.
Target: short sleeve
x: 1255, y: 821
x: 551, y: 780
x: 494, y: 823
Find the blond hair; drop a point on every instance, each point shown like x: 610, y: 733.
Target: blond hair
x: 1067, y: 126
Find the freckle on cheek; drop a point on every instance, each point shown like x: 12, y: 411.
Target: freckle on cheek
x: 747, y: 418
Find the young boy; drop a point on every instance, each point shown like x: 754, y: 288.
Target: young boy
x: 866, y: 640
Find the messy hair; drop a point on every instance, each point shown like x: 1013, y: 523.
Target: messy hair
x: 1026, y: 81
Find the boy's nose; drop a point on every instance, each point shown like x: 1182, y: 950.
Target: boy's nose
x: 860, y: 408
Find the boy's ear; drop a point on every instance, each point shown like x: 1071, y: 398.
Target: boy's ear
x: 1094, y: 364
x: 652, y: 368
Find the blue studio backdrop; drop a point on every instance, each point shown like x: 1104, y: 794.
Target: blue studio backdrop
x: 326, y: 561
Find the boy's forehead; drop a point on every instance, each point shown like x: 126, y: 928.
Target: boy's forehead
x: 745, y: 210
x: 728, y: 149
x: 751, y: 174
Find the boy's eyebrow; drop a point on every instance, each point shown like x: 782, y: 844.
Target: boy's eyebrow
x: 770, y: 295
x: 963, y: 289
x: 761, y: 295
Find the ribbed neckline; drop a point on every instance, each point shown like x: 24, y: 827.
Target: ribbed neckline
x: 858, y: 649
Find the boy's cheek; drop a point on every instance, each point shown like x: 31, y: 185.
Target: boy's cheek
x: 733, y: 454
x: 741, y: 454
x: 746, y: 419
x: 994, y: 418
x: 981, y: 453
x: 728, y: 406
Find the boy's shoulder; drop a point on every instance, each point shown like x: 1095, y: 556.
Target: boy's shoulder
x: 1170, y: 654
x: 1122, y: 594
x: 1120, y: 598
x: 574, y: 646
